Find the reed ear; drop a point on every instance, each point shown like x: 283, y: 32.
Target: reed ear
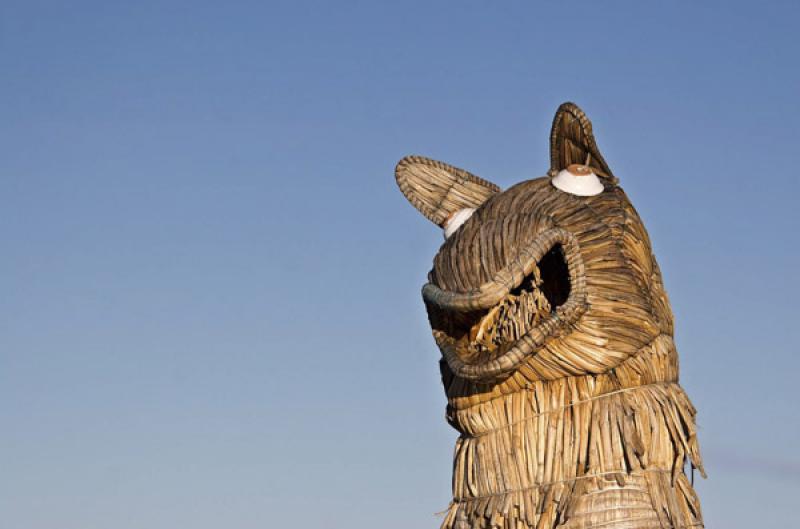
x: 572, y: 142
x: 438, y: 190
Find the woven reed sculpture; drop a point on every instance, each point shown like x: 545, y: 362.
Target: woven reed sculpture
x: 558, y: 359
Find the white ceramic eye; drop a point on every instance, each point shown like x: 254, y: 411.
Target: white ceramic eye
x: 455, y: 220
x: 578, y: 180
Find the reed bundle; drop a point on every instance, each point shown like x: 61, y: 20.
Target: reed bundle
x: 558, y: 360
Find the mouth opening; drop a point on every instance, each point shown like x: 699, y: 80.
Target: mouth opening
x: 555, y: 276
x: 483, y: 335
x: 481, y: 332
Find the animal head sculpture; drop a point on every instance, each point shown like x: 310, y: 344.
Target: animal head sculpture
x: 538, y: 273
x: 545, y: 300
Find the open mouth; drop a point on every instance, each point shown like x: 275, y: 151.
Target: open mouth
x: 484, y: 334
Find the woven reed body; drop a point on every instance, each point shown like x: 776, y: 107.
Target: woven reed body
x: 558, y: 358
x: 592, y: 430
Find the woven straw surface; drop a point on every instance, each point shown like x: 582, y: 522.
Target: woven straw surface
x: 572, y: 142
x: 437, y: 189
x: 558, y: 360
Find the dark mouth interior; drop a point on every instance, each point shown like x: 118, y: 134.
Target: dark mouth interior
x: 481, y: 336
x: 555, y: 277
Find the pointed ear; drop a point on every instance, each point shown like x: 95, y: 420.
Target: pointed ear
x: 437, y: 190
x: 572, y: 141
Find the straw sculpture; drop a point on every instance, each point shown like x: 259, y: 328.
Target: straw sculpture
x: 558, y: 359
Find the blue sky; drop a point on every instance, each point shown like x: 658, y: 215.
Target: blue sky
x: 209, y: 306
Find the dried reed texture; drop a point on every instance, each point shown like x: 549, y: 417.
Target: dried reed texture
x: 572, y: 142
x: 557, y: 354
x: 437, y: 189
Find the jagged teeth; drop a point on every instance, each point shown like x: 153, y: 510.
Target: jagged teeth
x: 510, y: 319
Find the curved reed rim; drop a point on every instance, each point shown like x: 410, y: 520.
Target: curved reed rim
x: 492, y: 292
x: 572, y: 141
x: 438, y: 189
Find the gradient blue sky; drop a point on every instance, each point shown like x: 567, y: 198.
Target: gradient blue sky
x: 209, y: 284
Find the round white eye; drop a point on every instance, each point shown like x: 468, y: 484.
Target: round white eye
x: 455, y: 220
x: 582, y: 182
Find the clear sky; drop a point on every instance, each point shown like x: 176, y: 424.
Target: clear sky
x: 209, y: 283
